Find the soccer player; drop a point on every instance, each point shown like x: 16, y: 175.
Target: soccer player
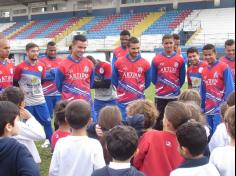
x: 217, y: 86
x: 229, y: 58
x: 123, y: 49
x: 178, y: 49
x: 195, y: 70
x: 168, y: 75
x: 28, y: 76
x: 76, y: 73
x: 50, y: 90
x: 105, y: 93
x: 131, y: 76
x: 6, y: 67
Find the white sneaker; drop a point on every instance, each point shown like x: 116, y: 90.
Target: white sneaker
x: 46, y: 144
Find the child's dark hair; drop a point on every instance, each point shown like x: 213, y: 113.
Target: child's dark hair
x: 230, y: 121
x: 109, y: 117
x: 146, y: 108
x: 60, y: 112
x: 122, y: 142
x: 8, y: 113
x: 78, y: 114
x: 231, y: 100
x: 177, y: 113
x: 14, y: 95
x: 196, y: 112
x: 190, y: 95
x: 192, y: 135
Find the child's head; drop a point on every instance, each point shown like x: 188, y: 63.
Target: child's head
x: 60, y: 112
x: 192, y: 138
x: 190, y: 95
x: 109, y: 117
x: 196, y: 112
x: 230, y: 121
x: 176, y: 114
x: 14, y: 95
x: 231, y: 100
x: 78, y: 114
x: 122, y: 142
x: 9, y: 117
x: 146, y: 108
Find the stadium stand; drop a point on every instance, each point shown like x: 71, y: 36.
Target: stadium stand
x: 217, y: 25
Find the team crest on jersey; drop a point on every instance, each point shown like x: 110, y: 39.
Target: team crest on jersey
x: 176, y: 65
x: 200, y: 69
x: 40, y: 68
x: 101, y: 71
x: 216, y: 76
x: 86, y: 69
x: 162, y: 64
x: 140, y: 69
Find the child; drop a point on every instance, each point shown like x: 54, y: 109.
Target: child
x: 122, y: 143
x: 15, y: 159
x: 157, y: 151
x: 168, y: 76
x: 224, y: 157
x: 77, y: 155
x: 193, y: 140
x: 142, y: 116
x: 109, y: 117
x: 64, y: 128
x: 30, y: 129
x: 221, y: 138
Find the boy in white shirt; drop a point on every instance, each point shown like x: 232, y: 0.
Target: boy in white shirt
x: 193, y: 140
x: 224, y: 157
x: 77, y: 155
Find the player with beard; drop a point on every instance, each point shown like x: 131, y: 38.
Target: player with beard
x: 131, y: 76
x: 29, y: 76
x: 6, y: 67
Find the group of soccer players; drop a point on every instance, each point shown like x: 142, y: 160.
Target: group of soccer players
x: 46, y: 80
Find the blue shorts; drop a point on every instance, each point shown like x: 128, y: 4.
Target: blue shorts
x: 98, y: 105
x: 122, y: 108
x: 41, y: 113
x: 51, y: 103
x: 213, y: 121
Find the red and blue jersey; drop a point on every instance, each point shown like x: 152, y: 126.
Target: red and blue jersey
x: 168, y: 75
x: 119, y: 53
x: 75, y: 77
x: 231, y: 63
x: 217, y: 86
x: 29, y: 78
x: 131, y: 78
x: 6, y: 75
x: 50, y: 87
x: 195, y: 75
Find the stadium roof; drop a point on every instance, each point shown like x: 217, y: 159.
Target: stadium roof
x: 15, y: 2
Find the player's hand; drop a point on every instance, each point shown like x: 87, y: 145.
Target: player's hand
x: 24, y: 114
x: 99, y: 131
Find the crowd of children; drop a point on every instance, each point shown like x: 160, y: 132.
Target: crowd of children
x: 184, y: 133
